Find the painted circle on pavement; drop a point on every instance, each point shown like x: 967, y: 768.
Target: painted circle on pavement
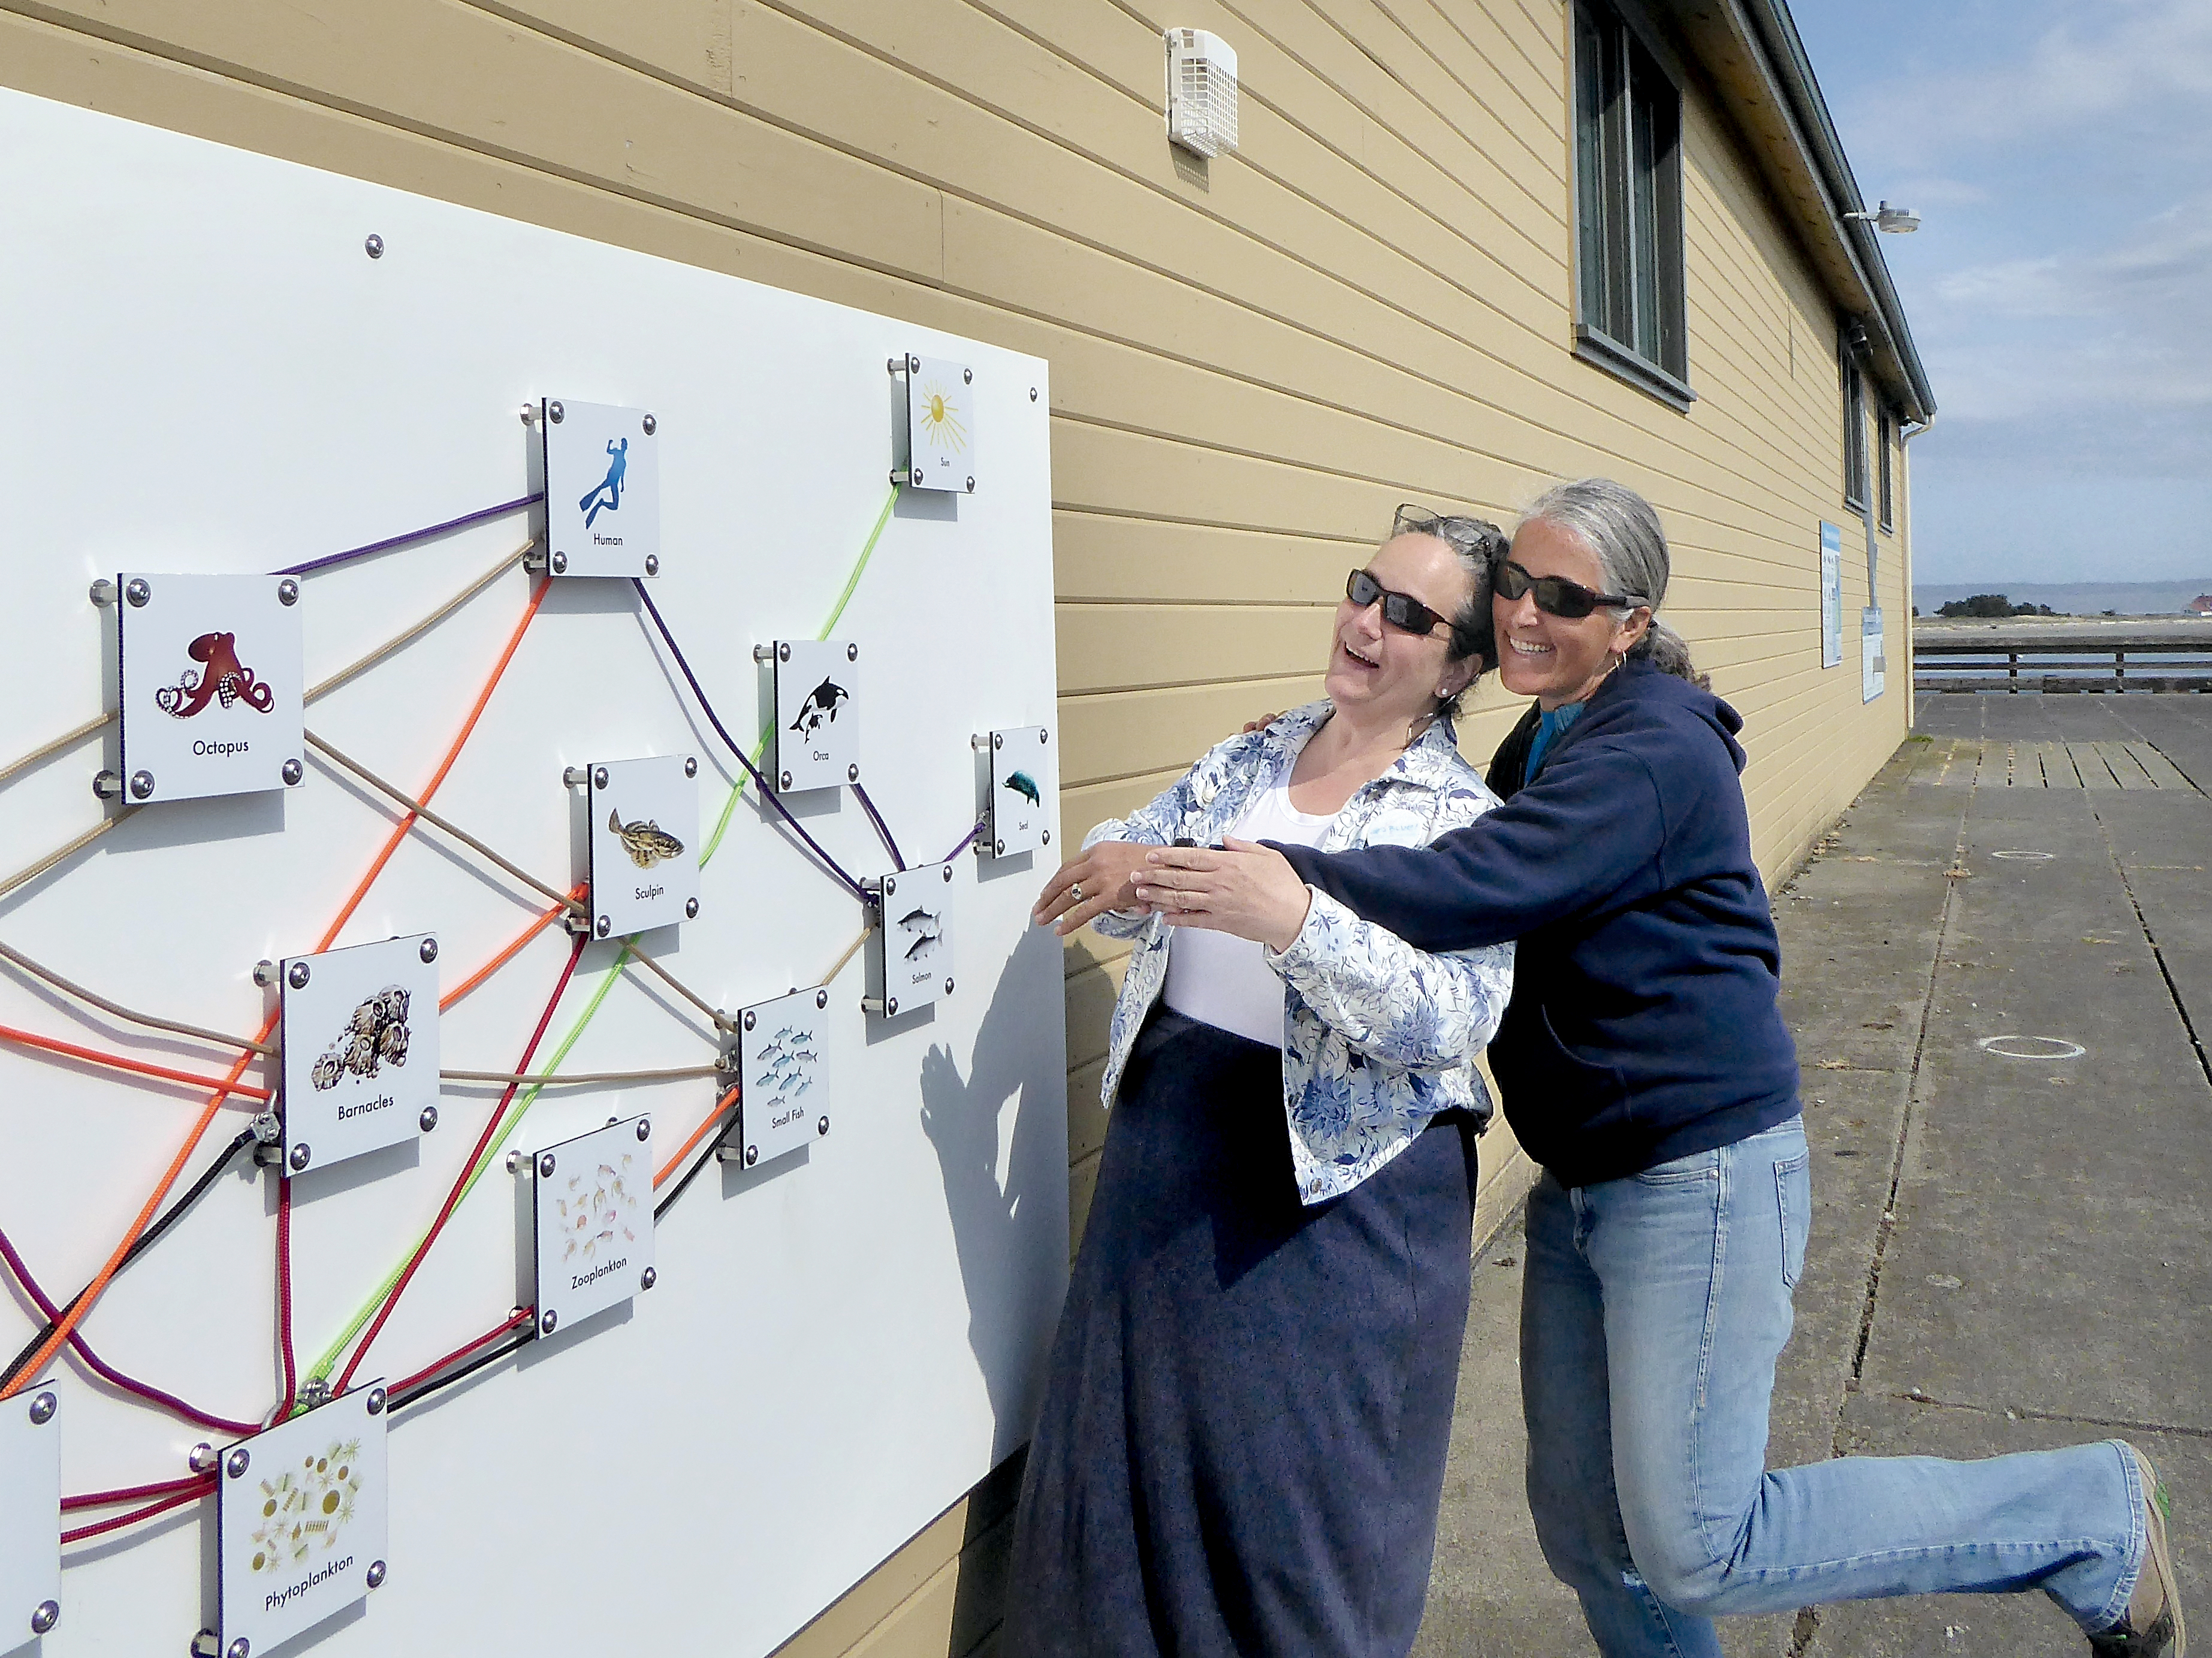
x: 2027, y: 856
x: 2032, y: 1047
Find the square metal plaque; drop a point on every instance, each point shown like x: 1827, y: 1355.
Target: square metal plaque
x: 644, y: 820
x: 591, y: 1211
x: 300, y: 1516
x: 209, y: 672
x: 30, y: 1514
x: 817, y: 728
x: 784, y: 1104
x: 910, y: 953
x: 1017, y: 817
x: 361, y: 1048
x: 940, y: 425
x: 602, y: 489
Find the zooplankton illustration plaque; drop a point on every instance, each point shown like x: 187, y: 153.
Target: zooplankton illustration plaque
x: 300, y: 1514
x: 30, y: 1514
x: 601, y: 488
x: 940, y: 425
x: 784, y: 1104
x: 361, y: 1048
x: 1016, y: 817
x: 589, y: 1205
x: 643, y: 818
x: 910, y: 950
x: 209, y: 682
x: 817, y: 732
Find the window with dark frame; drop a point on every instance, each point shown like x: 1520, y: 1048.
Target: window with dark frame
x: 1855, y: 431
x: 1885, y: 431
x: 1628, y: 204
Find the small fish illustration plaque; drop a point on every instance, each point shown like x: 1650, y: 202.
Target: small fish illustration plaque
x: 209, y: 685
x: 940, y: 425
x: 589, y: 1202
x: 784, y: 1104
x: 910, y: 951
x: 361, y: 1048
x: 1019, y: 816
x: 644, y: 835
x: 817, y: 731
x: 30, y: 1512
x: 602, y: 472
x: 300, y: 1515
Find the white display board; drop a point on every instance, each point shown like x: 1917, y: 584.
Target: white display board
x: 208, y: 374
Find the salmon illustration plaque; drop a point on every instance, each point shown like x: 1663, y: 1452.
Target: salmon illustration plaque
x: 602, y: 470
x: 1017, y: 812
x: 361, y: 1048
x: 940, y: 425
x: 910, y: 949
x: 209, y: 678
x: 642, y: 819
x: 586, y: 1208
x: 817, y: 728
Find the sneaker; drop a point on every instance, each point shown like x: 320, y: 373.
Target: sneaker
x: 2154, y: 1626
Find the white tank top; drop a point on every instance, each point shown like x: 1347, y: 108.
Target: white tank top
x: 1224, y: 981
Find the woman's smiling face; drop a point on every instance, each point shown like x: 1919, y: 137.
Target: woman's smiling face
x: 1391, y: 675
x: 1551, y: 658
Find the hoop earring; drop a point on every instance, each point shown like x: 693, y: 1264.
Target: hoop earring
x: 1619, y: 660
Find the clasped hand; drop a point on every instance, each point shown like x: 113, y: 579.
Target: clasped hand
x: 1245, y: 888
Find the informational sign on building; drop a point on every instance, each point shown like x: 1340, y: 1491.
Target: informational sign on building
x: 1832, y: 595
x: 1871, y: 664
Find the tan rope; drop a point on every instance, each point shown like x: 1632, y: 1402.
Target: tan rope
x: 67, y: 739
x: 721, y: 1022
x: 37, y: 971
x: 851, y: 950
x: 422, y: 627
x: 32, y: 873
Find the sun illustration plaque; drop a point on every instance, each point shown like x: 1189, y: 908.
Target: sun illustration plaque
x: 940, y: 425
x: 910, y: 948
x: 361, y: 1048
x: 818, y: 725
x: 643, y: 819
x: 300, y: 1520
x: 784, y: 1102
x: 1018, y: 811
x: 602, y: 470
x: 586, y: 1209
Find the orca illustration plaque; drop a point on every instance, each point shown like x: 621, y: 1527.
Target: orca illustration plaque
x: 1017, y: 818
x: 784, y: 1104
x: 644, y: 820
x: 209, y: 685
x: 910, y: 952
x: 940, y: 425
x: 30, y: 1514
x: 300, y: 1517
x: 602, y: 489
x: 589, y: 1205
x: 361, y: 1048
x: 817, y: 732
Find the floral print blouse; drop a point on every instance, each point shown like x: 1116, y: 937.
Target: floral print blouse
x: 1377, y: 1036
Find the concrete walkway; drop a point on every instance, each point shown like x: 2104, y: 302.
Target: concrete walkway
x: 2007, y: 1253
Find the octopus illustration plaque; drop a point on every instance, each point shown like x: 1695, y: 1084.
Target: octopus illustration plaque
x: 1016, y: 817
x: 817, y: 732
x: 781, y: 1048
x: 910, y: 950
x: 30, y: 1512
x: 208, y: 679
x: 589, y: 1205
x: 361, y: 1048
x: 643, y: 820
x: 602, y: 472
x: 300, y: 1514
x: 940, y: 425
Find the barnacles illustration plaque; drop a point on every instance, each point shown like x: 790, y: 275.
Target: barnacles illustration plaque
x: 588, y: 1206
x: 817, y: 726
x: 30, y: 1514
x: 361, y: 1048
x: 910, y: 948
x: 643, y: 818
x: 208, y: 684
x: 1017, y: 812
x: 602, y: 470
x: 940, y: 425
x: 300, y: 1514
x: 783, y: 1103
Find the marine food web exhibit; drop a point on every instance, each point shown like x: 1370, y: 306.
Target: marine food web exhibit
x: 534, y: 1111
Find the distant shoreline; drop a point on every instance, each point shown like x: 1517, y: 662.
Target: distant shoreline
x: 2087, y: 600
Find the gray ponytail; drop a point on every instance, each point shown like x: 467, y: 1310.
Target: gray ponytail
x: 1623, y: 535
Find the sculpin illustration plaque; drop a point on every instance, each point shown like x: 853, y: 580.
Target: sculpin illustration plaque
x: 602, y: 470
x: 300, y: 1516
x: 1017, y: 816
x: 361, y: 1048
x: 588, y: 1202
x: 818, y: 729
x: 209, y: 685
x: 940, y: 425
x: 643, y: 816
x: 781, y: 1047
x: 910, y: 952
x: 30, y: 1514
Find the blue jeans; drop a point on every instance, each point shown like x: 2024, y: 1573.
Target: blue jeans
x: 1652, y: 1312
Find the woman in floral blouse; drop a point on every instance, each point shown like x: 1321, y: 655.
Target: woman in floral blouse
x: 1242, y: 1445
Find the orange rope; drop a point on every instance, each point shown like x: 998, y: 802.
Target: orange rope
x: 73, y: 1314
x: 508, y: 955
x: 120, y: 1062
x: 721, y: 1107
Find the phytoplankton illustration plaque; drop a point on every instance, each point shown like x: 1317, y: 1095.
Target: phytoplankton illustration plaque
x: 910, y: 952
x: 361, y: 1048
x: 300, y: 1514
x: 940, y: 425
x: 784, y: 1104
x: 590, y: 1204
x: 1017, y: 816
x: 30, y: 1514
x: 817, y: 731
x: 644, y: 838
x: 601, y: 488
x: 210, y: 682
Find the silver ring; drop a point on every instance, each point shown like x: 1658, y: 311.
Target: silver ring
x: 1075, y: 888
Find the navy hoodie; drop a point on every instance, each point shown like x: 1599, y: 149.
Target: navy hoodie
x: 1643, y: 1026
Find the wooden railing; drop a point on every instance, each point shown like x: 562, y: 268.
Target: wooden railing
x: 2109, y: 656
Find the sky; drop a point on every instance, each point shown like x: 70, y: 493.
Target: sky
x: 2059, y: 153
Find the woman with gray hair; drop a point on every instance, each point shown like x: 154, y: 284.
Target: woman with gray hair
x: 1645, y: 1066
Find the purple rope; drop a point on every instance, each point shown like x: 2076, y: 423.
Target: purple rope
x: 730, y: 743
x: 324, y: 562
x: 966, y: 840
x: 882, y: 828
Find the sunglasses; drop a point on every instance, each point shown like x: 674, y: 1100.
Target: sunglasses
x: 1402, y: 610
x: 1555, y: 595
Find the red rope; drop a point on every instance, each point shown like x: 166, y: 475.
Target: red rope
x: 132, y: 1493
x: 199, y: 1486
x: 519, y: 1316
x: 284, y: 1297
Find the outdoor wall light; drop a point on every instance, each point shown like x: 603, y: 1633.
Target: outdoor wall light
x: 1894, y: 220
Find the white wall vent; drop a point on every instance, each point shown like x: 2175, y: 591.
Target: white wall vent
x: 1202, y: 91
